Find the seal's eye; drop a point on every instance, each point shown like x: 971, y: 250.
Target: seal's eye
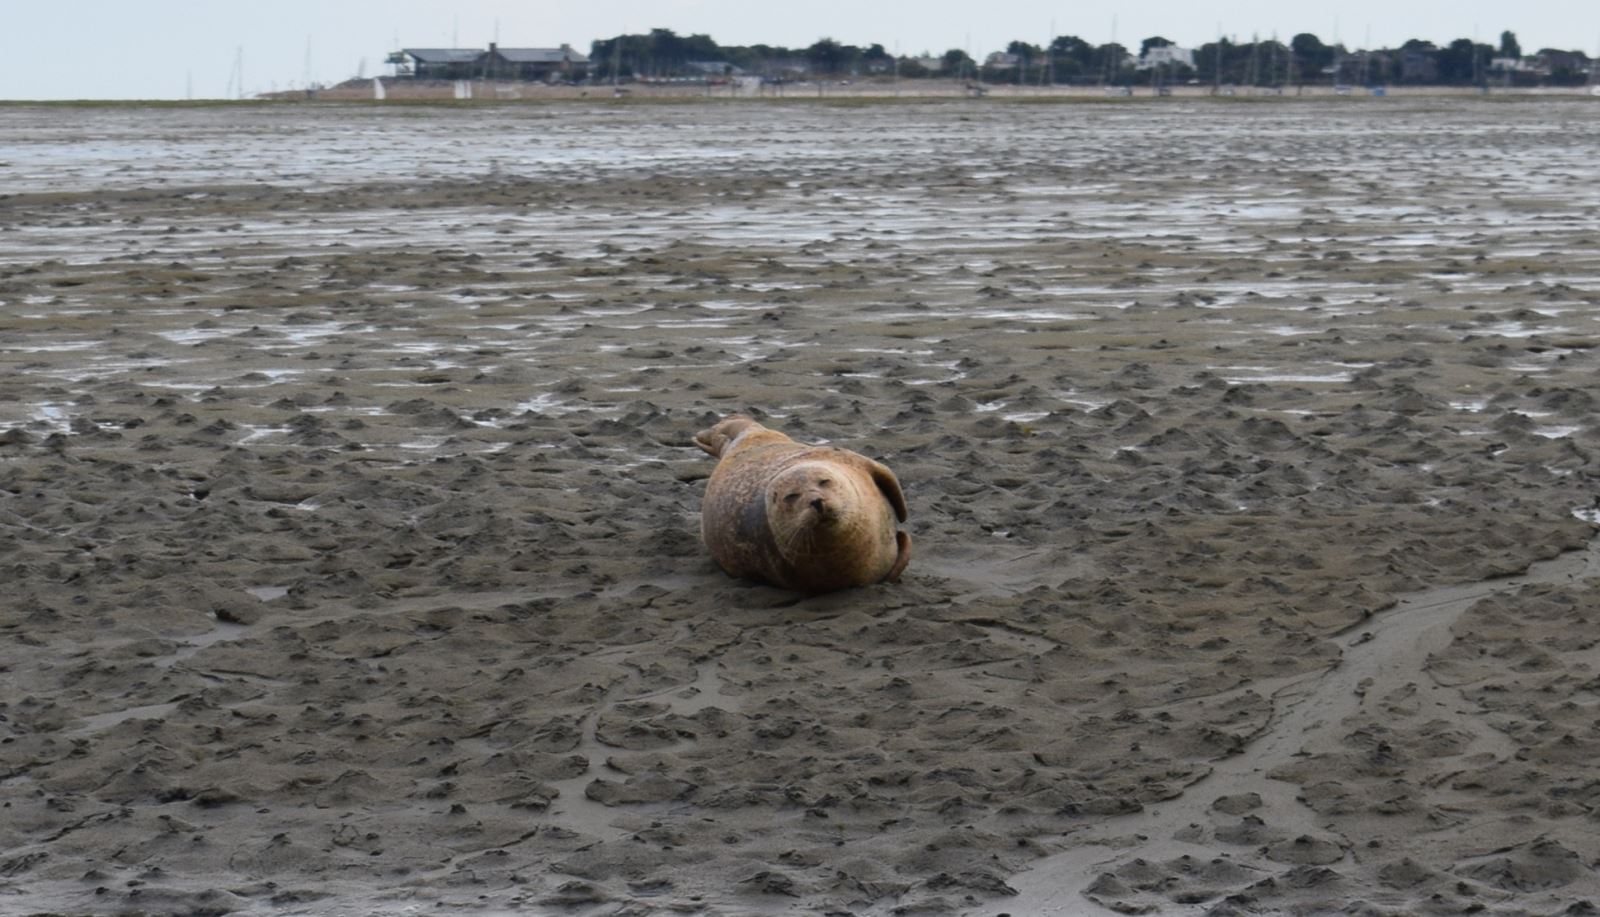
x: 824, y: 482
x: 791, y: 498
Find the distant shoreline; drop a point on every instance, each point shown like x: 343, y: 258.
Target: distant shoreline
x: 401, y: 92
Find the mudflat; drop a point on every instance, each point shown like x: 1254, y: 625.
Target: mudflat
x: 349, y: 507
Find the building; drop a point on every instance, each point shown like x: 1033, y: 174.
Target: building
x: 1512, y: 65
x: 437, y: 63
x: 1160, y: 55
x: 1002, y: 60
x: 542, y: 65
x: 713, y: 71
x: 1568, y: 64
x: 563, y: 64
x: 1419, y: 64
x: 783, y: 69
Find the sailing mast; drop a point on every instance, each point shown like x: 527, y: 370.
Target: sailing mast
x: 1216, y: 75
x: 1594, y: 72
x: 1050, y: 58
x: 235, y: 87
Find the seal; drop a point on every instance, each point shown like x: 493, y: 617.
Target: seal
x: 807, y: 518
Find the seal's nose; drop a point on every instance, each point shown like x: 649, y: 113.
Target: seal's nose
x: 817, y: 503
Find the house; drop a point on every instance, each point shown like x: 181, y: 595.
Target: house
x: 1419, y: 65
x: 1511, y: 65
x: 544, y: 65
x: 713, y: 71
x: 438, y: 63
x: 530, y: 64
x: 1001, y: 60
x: 1550, y: 62
x: 1158, y: 55
x: 785, y: 68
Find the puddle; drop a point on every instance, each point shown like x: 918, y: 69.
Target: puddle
x: 705, y: 691
x: 103, y: 721
x: 574, y: 810
x: 53, y: 416
x: 222, y: 632
x: 254, y: 433
x: 1289, y: 377
x: 425, y: 444
x: 546, y: 404
x: 1240, y: 375
x: 572, y: 807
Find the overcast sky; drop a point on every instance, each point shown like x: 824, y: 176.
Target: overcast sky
x: 172, y: 49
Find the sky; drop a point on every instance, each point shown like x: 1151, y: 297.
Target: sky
x: 176, y: 49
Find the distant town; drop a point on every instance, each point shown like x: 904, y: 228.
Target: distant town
x: 664, y: 56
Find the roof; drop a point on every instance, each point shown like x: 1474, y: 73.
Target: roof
x: 444, y: 55
x: 541, y: 55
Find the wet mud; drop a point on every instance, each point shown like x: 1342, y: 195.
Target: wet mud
x: 349, y: 508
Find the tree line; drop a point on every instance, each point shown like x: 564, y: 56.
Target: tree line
x: 1303, y: 60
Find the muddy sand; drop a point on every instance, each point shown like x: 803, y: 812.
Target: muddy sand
x: 348, y: 508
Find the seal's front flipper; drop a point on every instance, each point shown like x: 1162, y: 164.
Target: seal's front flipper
x: 890, y: 485
x: 904, y: 541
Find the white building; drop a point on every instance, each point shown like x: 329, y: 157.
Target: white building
x: 1166, y: 54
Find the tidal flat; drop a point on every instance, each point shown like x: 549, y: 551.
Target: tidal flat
x: 349, y: 508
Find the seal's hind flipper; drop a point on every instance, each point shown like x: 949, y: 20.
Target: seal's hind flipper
x: 904, y: 541
x: 890, y: 485
x: 726, y: 430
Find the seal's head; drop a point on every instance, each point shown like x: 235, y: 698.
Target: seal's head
x: 817, y: 508
x: 807, y: 493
